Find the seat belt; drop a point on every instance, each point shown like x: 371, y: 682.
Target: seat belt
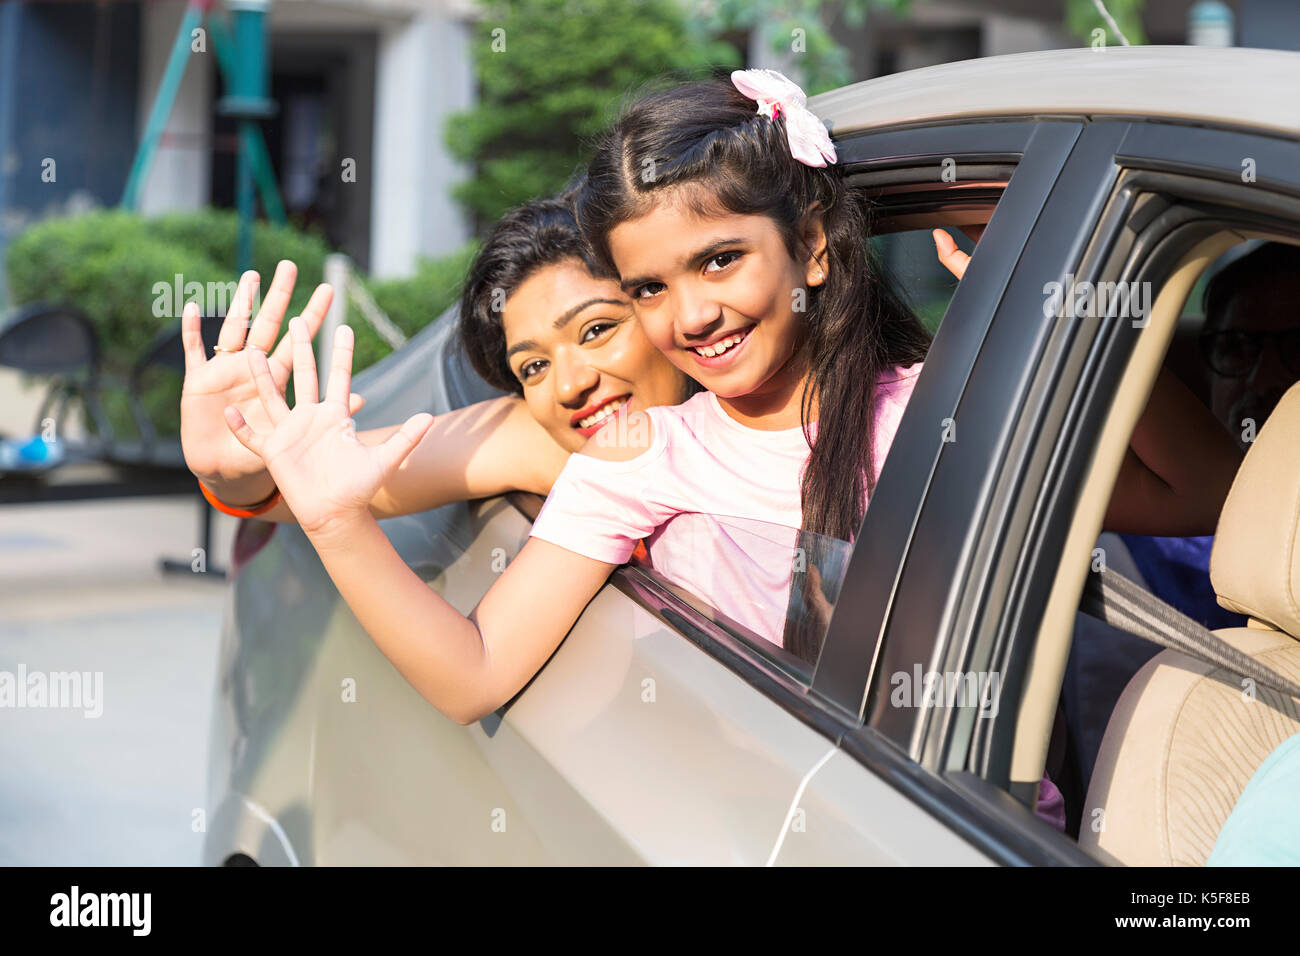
x: 1121, y: 603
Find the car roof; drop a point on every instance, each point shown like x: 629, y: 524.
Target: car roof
x: 1229, y: 86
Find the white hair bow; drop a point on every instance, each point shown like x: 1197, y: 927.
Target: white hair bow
x: 777, y: 96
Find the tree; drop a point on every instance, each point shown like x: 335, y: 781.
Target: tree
x: 800, y: 30
x: 1082, y: 17
x: 551, y: 75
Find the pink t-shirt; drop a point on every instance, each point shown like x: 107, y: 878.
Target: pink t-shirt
x: 718, y: 501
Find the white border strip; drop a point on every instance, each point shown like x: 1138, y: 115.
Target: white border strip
x: 275, y: 828
x: 794, y: 804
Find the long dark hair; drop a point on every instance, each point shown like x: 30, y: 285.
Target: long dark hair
x: 529, y: 237
x: 710, y: 135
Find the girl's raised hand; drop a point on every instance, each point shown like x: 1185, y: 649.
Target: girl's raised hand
x: 325, y: 474
x: 212, y: 453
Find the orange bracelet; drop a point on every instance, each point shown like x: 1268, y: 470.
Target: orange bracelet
x: 250, y: 512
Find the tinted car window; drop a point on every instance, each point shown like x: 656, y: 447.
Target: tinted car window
x: 911, y: 259
x: 766, y: 583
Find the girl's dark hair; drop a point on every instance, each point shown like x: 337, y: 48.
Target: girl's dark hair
x: 536, y: 234
x: 709, y: 136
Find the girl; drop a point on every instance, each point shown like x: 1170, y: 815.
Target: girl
x: 534, y: 268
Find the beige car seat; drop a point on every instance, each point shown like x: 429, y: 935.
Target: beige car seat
x: 1186, y: 736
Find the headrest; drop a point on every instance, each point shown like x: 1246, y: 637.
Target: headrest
x: 1255, y: 562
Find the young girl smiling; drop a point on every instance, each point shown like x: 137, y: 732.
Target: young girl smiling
x: 746, y: 261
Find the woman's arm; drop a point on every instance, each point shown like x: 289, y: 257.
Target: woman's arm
x: 480, y: 451
x: 1177, y: 469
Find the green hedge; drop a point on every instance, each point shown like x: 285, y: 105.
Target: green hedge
x: 120, y: 269
x: 411, y: 303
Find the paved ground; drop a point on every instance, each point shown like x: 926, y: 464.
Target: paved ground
x: 80, y: 591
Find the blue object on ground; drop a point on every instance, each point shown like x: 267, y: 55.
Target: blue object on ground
x: 31, y: 455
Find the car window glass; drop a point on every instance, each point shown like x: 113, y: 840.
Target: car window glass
x: 1237, y: 365
x: 771, y: 585
x: 910, y: 257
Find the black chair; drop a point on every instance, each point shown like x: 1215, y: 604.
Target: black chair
x: 57, y: 340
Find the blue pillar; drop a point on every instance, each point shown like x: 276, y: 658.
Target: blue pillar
x: 247, y: 101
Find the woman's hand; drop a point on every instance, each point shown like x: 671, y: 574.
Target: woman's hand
x: 1178, y: 468
x: 953, y: 259
x: 325, y: 474
x: 211, y: 452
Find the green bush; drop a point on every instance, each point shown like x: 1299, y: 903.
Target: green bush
x: 108, y: 263
x: 411, y: 303
x: 215, y: 234
x: 120, y: 269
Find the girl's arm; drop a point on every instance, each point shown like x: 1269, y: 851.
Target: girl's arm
x: 480, y: 451
x: 465, y: 666
x: 1177, y: 469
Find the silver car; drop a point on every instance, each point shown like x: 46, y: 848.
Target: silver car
x: 660, y: 731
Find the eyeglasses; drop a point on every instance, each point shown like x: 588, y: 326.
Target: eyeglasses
x: 1235, y: 353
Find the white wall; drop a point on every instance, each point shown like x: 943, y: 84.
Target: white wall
x: 180, y: 177
x: 424, y: 73
x: 1023, y: 35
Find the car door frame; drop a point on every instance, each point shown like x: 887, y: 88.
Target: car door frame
x: 1007, y: 405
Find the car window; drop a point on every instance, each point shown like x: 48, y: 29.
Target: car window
x: 1236, y: 366
x: 771, y: 585
x: 910, y: 257
x: 1197, y: 343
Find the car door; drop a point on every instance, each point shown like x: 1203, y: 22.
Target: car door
x: 885, y: 648
x: 986, y: 552
x: 1149, y: 200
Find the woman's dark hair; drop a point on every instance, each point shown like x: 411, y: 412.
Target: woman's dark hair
x: 710, y: 137
x: 536, y: 234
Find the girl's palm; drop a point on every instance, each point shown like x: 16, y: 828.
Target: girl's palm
x: 211, y: 451
x: 323, y: 471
